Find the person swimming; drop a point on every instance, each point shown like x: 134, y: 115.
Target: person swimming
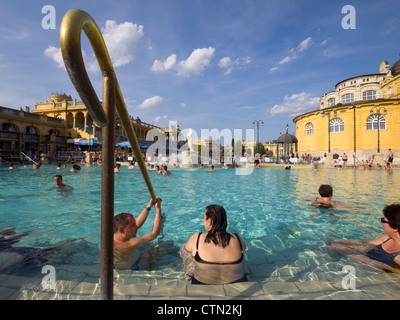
x: 383, y: 252
x: 326, y: 193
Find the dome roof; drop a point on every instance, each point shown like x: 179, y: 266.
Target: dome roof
x: 395, y: 69
x: 287, y: 138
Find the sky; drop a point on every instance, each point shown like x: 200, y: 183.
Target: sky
x: 203, y: 64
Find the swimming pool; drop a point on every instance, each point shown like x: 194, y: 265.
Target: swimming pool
x: 284, y: 234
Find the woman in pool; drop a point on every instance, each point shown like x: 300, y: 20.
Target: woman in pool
x: 217, y: 256
x: 383, y: 252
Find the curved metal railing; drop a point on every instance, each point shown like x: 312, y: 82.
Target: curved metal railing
x: 72, y: 25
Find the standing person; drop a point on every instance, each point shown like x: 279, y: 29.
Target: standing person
x: 344, y: 158
x: 165, y: 171
x: 126, y: 227
x: 58, y: 180
x: 218, y: 256
x: 390, y: 158
x: 117, y: 168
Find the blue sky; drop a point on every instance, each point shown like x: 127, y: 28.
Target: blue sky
x: 204, y: 63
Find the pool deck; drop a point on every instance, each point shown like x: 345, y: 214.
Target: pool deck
x: 159, y: 285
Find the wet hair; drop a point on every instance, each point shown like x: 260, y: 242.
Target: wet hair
x: 121, y: 219
x: 325, y: 190
x: 392, y: 213
x: 58, y: 176
x: 217, y: 234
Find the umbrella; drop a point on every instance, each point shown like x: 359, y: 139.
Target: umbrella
x: 144, y: 146
x: 71, y: 140
x: 89, y: 142
x: 125, y: 144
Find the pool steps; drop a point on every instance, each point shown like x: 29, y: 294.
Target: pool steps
x: 157, y: 285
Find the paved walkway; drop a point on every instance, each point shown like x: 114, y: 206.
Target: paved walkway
x: 172, y: 286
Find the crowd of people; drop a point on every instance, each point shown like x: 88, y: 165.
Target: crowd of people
x: 368, y: 164
x: 218, y: 257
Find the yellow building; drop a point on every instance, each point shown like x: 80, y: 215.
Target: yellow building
x: 23, y: 131
x: 80, y: 124
x: 360, y: 118
x: 54, y: 125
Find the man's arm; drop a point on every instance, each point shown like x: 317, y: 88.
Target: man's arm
x: 156, y: 228
x: 141, y: 219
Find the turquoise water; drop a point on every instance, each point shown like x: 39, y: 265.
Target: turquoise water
x: 284, y: 234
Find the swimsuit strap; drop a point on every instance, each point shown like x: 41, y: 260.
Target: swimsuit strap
x: 197, y: 244
x: 393, y: 253
x: 240, y: 243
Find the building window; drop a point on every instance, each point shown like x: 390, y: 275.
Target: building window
x: 331, y: 102
x: 336, y: 125
x: 6, y: 126
x: 309, y: 129
x: 369, y: 95
x: 372, y: 122
x: 348, y: 98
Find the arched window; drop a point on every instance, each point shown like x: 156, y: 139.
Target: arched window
x: 6, y: 126
x: 336, y: 125
x: 369, y: 95
x: 309, y: 129
x: 55, y: 132
x: 331, y: 102
x: 348, y: 98
x: 31, y: 130
x: 372, y: 122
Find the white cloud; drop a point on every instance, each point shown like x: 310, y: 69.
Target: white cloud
x: 228, y: 63
x: 197, y: 61
x: 194, y: 64
x: 304, y: 45
x: 168, y: 64
x: 158, y: 118
x: 55, y: 54
x: 287, y: 59
x: 183, y: 105
x: 151, y: 102
x: 120, y: 40
x: 296, y: 104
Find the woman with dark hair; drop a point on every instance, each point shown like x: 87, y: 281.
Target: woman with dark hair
x: 383, y: 252
x: 214, y: 257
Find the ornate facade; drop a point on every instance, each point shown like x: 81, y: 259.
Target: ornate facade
x: 78, y: 121
x: 361, y: 117
x: 53, y: 125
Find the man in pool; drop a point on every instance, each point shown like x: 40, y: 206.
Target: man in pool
x: 125, y: 228
x: 326, y: 193
x: 58, y: 180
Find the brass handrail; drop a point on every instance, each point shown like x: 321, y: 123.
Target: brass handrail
x: 72, y: 24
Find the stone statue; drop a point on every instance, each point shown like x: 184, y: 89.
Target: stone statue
x: 190, y: 140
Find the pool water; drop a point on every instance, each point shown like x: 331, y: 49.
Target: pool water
x: 284, y: 234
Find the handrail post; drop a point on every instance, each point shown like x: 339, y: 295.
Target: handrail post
x: 107, y: 189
